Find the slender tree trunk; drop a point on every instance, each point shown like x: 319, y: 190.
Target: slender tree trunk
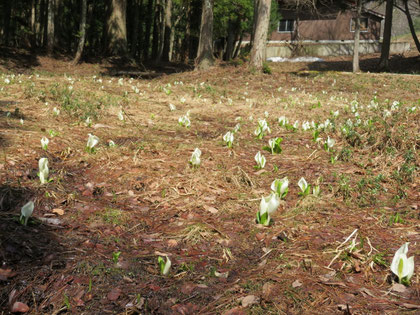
x: 230, y: 40
x: 116, y: 28
x: 33, y: 24
x: 140, y: 38
x: 386, y: 42
x: 135, y: 28
x: 254, y: 21
x: 50, y: 27
x: 205, y: 57
x: 43, y: 22
x: 161, y: 30
x: 238, y: 46
x: 93, y: 39
x: 148, y: 28
x: 185, y: 49
x: 168, y: 31
x: 258, y: 50
x: 411, y: 25
x: 356, y: 67
x: 82, y: 32
x: 156, y: 32
x: 172, y: 38
x: 58, y: 22
x: 6, y: 22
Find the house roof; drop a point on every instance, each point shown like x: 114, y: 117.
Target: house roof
x: 382, y: 16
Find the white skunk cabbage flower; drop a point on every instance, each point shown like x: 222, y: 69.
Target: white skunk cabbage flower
x: 283, y: 121
x: 172, y: 107
x: 306, y: 126
x: 92, y: 142
x: 184, y: 121
x: 228, y: 138
x: 43, y: 170
x: 296, y: 124
x: 44, y: 143
x: 327, y: 123
x: 262, y: 128
x: 329, y: 143
x: 274, y: 145
x: 280, y: 187
x: 304, y: 187
x: 120, y: 81
x: 111, y: 144
x: 26, y: 212
x: 195, y: 157
x: 88, y: 121
x: 268, y: 205
x: 395, y: 105
x: 182, y: 100
x: 260, y: 159
x: 335, y: 114
x: 316, y: 191
x: 164, y: 266
x: 402, y: 266
x: 121, y: 115
x: 56, y: 111
x: 237, y: 128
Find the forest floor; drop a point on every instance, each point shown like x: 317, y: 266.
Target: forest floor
x: 100, y: 224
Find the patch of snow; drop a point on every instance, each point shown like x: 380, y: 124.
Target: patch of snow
x: 297, y: 59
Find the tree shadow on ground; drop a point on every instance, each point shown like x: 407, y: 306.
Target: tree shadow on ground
x: 147, y: 70
x: 28, y: 253
x: 9, y: 118
x: 397, y: 64
x: 17, y: 60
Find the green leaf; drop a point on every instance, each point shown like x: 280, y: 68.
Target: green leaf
x: 161, y: 264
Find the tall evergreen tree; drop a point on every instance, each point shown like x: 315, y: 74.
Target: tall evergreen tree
x: 205, y: 57
x: 262, y: 19
x: 116, y: 28
x: 386, y: 43
x: 82, y: 32
x: 356, y: 66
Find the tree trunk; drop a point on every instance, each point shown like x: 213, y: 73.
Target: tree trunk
x: 411, y: 25
x: 43, y: 23
x: 140, y: 36
x: 160, y: 29
x: 258, y: 50
x: 82, y: 33
x: 230, y: 40
x: 50, y: 27
x: 135, y: 28
x: 254, y: 22
x: 172, y: 38
x: 356, y: 67
x: 148, y: 28
x: 386, y: 42
x: 185, y: 49
x: 155, y: 39
x: 58, y: 21
x: 168, y: 32
x: 6, y: 21
x: 238, y: 46
x: 116, y: 28
x: 205, y: 57
x: 33, y: 24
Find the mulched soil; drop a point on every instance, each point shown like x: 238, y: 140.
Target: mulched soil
x: 100, y: 225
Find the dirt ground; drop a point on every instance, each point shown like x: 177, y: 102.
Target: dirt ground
x: 101, y: 222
